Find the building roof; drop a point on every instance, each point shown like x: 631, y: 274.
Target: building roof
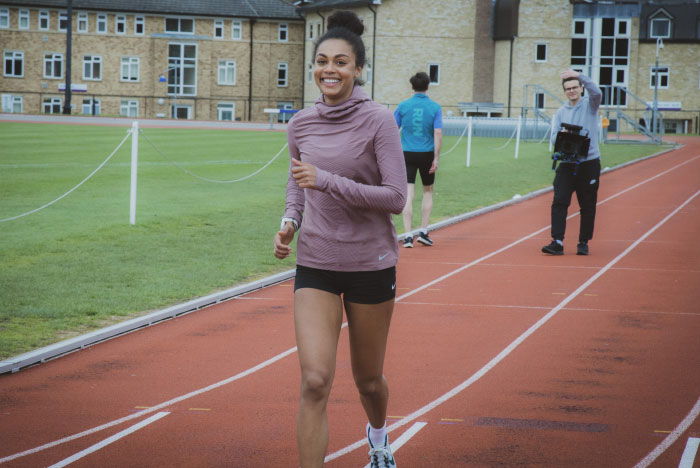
x: 332, y: 4
x: 258, y: 9
x: 684, y: 17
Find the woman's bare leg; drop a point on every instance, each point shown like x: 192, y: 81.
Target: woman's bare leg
x: 318, y: 317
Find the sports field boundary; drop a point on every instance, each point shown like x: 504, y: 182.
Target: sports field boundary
x: 56, y: 350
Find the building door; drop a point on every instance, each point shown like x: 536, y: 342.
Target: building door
x: 181, y: 112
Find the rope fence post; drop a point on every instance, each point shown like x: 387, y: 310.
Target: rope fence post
x: 469, y: 142
x: 517, y: 136
x: 134, y: 170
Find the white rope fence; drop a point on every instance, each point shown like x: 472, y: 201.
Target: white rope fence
x: 509, y: 140
x: 128, y: 133
x: 183, y: 169
x: 466, y: 127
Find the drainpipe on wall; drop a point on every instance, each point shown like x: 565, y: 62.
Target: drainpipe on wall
x: 510, y: 73
x: 250, y: 78
x: 303, y: 65
x: 374, y: 44
x: 69, y: 36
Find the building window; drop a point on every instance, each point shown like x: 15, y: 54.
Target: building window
x: 182, y: 69
x: 92, y: 67
x: 539, y: 100
x: 44, y: 20
x: 52, y: 105
x: 218, y: 29
x: 318, y: 28
x: 53, y: 65
x: 236, y: 30
x: 129, y: 108
x: 311, y: 30
x: 63, y: 21
x: 23, y: 19
x: 14, y: 64
x: 283, y: 32
x: 120, y: 24
x: 11, y: 104
x: 139, y: 25
x: 130, y: 69
x: 368, y: 69
x: 179, y: 25
x: 282, y: 69
x: 91, y: 106
x: 226, y: 111
x: 540, y: 52
x: 102, y: 24
x: 227, y: 72
x: 82, y: 22
x: 663, y: 73
x: 4, y: 18
x: 660, y: 28
x: 310, y: 73
x: 434, y: 73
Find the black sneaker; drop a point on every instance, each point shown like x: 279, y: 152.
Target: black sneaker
x: 555, y: 248
x: 424, y: 239
x: 408, y: 242
x: 582, y: 248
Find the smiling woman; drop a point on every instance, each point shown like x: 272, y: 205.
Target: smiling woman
x: 347, y: 176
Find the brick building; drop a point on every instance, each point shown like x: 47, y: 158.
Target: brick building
x: 210, y: 59
x: 204, y: 60
x: 508, y: 53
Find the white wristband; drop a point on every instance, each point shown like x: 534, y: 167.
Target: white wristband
x: 285, y: 220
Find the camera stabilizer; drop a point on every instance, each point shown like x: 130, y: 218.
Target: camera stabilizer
x: 570, y: 146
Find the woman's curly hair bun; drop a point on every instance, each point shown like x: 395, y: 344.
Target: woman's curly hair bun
x: 347, y: 20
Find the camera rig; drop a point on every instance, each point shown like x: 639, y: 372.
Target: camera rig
x: 570, y: 146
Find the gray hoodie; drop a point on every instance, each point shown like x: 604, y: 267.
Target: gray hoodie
x: 584, y: 113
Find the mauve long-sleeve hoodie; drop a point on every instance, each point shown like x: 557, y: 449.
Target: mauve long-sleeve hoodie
x: 345, y: 223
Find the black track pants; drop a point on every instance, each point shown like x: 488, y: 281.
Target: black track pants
x: 585, y: 183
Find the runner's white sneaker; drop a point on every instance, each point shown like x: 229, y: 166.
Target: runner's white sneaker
x: 380, y: 457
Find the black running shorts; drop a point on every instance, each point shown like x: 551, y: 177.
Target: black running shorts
x: 419, y: 161
x: 360, y: 287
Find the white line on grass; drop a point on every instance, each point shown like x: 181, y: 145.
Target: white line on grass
x: 109, y: 440
x: 512, y: 346
x: 285, y: 353
x: 398, y: 443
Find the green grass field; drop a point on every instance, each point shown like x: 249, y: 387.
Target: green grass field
x: 78, y: 264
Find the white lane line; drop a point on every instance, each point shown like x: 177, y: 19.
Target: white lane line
x: 512, y: 346
x: 398, y: 443
x: 109, y: 440
x: 691, y: 449
x: 291, y: 350
x: 671, y: 438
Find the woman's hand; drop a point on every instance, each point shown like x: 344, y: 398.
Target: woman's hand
x: 282, y: 240
x: 304, y: 174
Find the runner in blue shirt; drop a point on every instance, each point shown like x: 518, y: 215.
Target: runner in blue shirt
x: 420, y: 120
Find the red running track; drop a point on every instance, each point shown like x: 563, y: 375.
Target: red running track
x: 499, y: 356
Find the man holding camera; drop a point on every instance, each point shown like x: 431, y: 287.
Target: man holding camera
x: 581, y: 176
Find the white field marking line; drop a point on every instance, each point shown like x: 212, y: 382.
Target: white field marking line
x: 109, y: 440
x: 398, y: 443
x: 512, y: 346
x: 671, y: 438
x: 279, y: 356
x: 691, y: 449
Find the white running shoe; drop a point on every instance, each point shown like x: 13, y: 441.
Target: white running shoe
x: 380, y: 457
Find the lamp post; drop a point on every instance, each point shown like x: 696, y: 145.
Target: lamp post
x: 655, y: 124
